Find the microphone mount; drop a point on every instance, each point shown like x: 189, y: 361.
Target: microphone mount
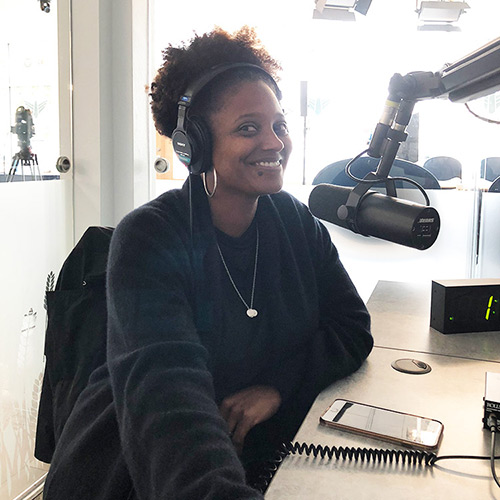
x: 404, y: 92
x: 349, y: 211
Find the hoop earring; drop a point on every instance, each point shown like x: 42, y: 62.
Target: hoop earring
x: 209, y: 194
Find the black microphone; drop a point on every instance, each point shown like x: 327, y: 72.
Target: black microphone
x: 378, y: 215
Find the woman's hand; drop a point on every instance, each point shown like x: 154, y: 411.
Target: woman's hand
x: 247, y: 408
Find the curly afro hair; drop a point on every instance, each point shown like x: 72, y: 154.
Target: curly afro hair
x: 185, y: 64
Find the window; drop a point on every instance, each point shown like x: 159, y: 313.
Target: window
x: 29, y: 112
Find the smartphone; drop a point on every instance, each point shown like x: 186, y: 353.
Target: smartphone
x: 401, y: 428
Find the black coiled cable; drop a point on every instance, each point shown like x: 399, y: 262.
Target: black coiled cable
x: 410, y: 457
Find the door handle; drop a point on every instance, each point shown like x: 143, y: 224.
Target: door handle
x: 63, y: 164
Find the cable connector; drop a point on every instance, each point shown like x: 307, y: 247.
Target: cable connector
x: 491, y: 417
x: 493, y: 422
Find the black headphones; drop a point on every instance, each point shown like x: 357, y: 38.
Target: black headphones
x: 191, y: 139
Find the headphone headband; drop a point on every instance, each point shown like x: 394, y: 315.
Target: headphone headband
x: 188, y: 149
x: 206, y: 78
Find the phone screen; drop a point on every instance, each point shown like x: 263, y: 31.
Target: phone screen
x: 379, y: 422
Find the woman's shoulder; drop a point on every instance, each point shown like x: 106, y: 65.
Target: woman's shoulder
x: 291, y: 209
x: 166, y: 213
x: 168, y: 205
x: 286, y: 201
x: 295, y: 214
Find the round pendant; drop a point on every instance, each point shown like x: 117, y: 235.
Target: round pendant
x: 251, y: 313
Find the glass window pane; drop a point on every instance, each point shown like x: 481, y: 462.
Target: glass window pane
x: 29, y: 143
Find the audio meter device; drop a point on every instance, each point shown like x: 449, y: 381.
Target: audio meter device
x: 492, y: 398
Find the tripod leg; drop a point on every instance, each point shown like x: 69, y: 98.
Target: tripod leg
x: 35, y: 159
x: 13, y: 168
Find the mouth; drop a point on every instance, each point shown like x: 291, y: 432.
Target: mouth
x: 268, y: 163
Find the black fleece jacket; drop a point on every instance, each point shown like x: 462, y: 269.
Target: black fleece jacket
x: 178, y: 344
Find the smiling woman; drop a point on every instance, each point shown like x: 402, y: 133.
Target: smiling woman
x: 251, y: 147
x: 232, y: 122
x: 237, y: 313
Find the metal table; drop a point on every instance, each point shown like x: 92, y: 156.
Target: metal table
x: 451, y: 392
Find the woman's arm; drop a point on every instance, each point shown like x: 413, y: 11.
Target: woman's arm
x: 174, y: 440
x: 343, y: 340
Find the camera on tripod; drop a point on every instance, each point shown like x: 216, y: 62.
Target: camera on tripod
x: 25, y: 130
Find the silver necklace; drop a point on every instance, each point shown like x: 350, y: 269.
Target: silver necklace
x: 251, y: 312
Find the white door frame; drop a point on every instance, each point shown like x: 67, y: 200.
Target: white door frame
x: 112, y: 173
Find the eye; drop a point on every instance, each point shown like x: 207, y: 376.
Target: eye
x: 281, y: 129
x: 248, y: 128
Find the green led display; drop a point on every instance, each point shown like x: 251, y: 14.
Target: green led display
x: 488, y: 309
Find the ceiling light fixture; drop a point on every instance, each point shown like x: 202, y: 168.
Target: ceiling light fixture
x: 340, y: 10
x: 440, y: 11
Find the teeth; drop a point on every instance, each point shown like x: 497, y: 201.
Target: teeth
x: 268, y: 163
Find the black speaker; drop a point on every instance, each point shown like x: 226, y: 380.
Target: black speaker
x: 460, y: 306
x: 191, y: 139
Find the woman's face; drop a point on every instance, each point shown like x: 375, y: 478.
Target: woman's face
x: 251, y: 145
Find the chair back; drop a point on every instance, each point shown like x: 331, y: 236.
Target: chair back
x: 335, y: 173
x: 490, y: 168
x: 495, y: 187
x: 444, y: 167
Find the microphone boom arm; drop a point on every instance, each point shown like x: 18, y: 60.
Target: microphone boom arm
x: 472, y: 76
x: 475, y: 75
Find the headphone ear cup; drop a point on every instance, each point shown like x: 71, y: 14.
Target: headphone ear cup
x: 200, y: 140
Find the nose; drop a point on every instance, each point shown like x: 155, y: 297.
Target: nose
x: 271, y: 141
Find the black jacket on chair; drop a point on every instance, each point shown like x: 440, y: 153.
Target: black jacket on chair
x: 75, y: 342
